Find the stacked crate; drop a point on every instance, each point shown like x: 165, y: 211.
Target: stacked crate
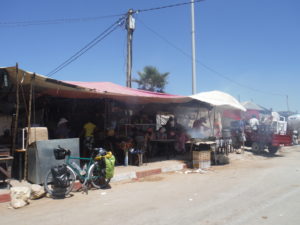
x: 201, y: 159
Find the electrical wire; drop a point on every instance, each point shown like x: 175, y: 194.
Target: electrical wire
x: 83, y: 19
x: 166, y: 6
x: 55, y: 21
x: 88, y: 46
x: 204, y: 65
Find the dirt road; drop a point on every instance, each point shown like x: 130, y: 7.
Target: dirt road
x: 250, y: 190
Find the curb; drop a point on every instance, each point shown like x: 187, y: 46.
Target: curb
x: 145, y: 173
x: 5, y: 197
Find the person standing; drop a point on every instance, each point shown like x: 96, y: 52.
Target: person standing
x: 254, y: 122
x: 62, y: 130
x: 88, y: 132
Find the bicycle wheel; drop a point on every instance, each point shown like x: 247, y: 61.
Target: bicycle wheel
x: 54, y: 191
x: 97, y: 176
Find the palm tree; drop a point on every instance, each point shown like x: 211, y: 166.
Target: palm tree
x: 151, y: 79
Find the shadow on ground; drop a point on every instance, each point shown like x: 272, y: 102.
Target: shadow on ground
x: 264, y: 153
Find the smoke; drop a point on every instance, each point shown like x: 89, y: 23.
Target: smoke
x: 197, y: 133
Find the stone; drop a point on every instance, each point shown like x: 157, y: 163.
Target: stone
x: 16, y: 183
x: 37, y: 191
x: 20, y: 196
x: 239, y: 151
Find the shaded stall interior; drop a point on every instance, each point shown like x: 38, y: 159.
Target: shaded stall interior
x: 119, y: 112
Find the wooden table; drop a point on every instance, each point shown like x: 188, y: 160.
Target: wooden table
x: 4, y: 150
x: 142, y: 126
x: 169, y: 143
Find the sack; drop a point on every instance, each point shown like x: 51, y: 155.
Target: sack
x: 60, y: 176
x: 109, y: 167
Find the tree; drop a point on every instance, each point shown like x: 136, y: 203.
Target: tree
x: 151, y: 79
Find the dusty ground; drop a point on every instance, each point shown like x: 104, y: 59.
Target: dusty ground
x: 252, y: 189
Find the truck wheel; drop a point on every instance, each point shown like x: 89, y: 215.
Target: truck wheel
x: 273, y: 149
x: 255, y: 147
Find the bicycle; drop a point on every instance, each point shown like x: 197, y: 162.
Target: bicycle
x: 63, y: 180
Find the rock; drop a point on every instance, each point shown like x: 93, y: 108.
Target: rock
x: 187, y: 172
x: 239, y: 151
x: 37, y: 191
x: 20, y: 196
x: 16, y: 183
x: 200, y: 171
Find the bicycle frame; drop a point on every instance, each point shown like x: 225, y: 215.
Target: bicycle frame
x: 81, y: 177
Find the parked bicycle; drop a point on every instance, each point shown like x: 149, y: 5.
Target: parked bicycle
x: 60, y: 180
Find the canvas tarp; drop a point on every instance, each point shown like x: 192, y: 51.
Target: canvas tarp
x: 252, y: 106
x: 74, y: 89
x: 219, y: 99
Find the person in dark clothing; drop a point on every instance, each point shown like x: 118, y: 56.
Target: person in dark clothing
x: 62, y: 130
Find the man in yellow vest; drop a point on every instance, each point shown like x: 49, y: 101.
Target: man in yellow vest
x: 89, y: 129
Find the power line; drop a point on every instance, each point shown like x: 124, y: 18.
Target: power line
x: 55, y: 21
x: 82, y: 19
x: 167, y: 6
x: 88, y: 46
x: 204, y: 65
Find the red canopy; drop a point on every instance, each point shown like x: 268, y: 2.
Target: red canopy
x: 108, y: 87
x: 232, y: 114
x: 75, y: 89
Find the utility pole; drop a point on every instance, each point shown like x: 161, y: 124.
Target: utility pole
x: 194, y: 89
x: 16, y: 117
x: 287, y: 103
x: 130, y: 26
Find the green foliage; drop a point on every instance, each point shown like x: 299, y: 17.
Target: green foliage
x: 151, y: 79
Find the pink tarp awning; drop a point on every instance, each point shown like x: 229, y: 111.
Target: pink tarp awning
x: 108, y: 87
x: 128, y: 94
x: 83, y: 90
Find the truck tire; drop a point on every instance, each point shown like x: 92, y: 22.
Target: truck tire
x: 273, y: 149
x: 256, y: 147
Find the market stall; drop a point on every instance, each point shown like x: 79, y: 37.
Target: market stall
x: 221, y: 136
x: 121, y: 115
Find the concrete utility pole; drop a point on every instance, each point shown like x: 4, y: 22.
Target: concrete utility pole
x: 194, y: 88
x: 130, y: 26
x: 287, y: 103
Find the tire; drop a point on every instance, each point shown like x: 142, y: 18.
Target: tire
x: 97, y: 176
x: 59, y: 192
x: 273, y: 149
x: 256, y: 147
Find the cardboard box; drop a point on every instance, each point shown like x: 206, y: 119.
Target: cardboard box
x: 37, y: 134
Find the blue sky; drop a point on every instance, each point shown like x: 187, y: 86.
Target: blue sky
x: 254, y: 43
